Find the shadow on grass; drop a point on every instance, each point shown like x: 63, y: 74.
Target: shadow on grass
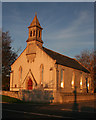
x: 89, y: 109
x: 8, y: 99
x: 85, y: 110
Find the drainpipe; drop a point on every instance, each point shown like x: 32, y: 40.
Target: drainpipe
x: 87, y: 84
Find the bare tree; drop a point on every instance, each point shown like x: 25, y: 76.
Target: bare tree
x: 88, y: 59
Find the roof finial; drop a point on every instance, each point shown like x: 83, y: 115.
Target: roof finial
x: 35, y: 13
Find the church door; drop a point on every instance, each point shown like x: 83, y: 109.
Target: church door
x: 30, y: 84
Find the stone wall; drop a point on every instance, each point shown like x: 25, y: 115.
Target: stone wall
x: 78, y: 97
x: 73, y: 97
x: 50, y: 96
x: 31, y: 96
x: 35, y: 95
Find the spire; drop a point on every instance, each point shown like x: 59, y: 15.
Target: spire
x: 35, y: 13
x: 35, y: 32
x: 35, y: 22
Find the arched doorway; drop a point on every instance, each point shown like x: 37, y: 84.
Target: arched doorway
x: 30, y: 84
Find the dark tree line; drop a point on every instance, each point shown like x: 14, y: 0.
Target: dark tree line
x: 8, y: 57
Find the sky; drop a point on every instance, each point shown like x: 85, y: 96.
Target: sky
x: 0, y: 15
x: 48, y: 0
x: 68, y: 27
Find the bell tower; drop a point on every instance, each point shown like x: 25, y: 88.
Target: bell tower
x: 35, y: 32
x: 35, y: 38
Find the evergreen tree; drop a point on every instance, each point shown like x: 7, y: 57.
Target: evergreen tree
x: 8, y: 57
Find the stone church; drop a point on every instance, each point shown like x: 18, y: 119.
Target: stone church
x: 38, y: 66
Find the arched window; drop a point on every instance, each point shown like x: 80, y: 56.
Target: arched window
x: 20, y: 76
x: 30, y: 84
x: 39, y: 33
x: 87, y: 84
x: 73, y: 79
x: 30, y: 33
x: 81, y: 82
x: 61, y: 79
x: 34, y: 33
x: 41, y: 74
x: 20, y: 73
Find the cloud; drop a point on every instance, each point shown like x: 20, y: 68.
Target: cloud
x: 74, y: 38
x: 79, y: 27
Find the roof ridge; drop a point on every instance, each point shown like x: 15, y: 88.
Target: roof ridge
x: 59, y: 53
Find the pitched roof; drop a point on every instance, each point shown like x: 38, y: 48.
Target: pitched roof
x: 65, y: 61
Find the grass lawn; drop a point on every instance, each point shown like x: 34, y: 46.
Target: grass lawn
x: 10, y: 99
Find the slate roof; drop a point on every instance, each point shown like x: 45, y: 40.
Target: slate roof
x: 65, y: 61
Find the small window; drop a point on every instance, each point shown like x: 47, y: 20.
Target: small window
x: 34, y: 33
x: 31, y: 34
